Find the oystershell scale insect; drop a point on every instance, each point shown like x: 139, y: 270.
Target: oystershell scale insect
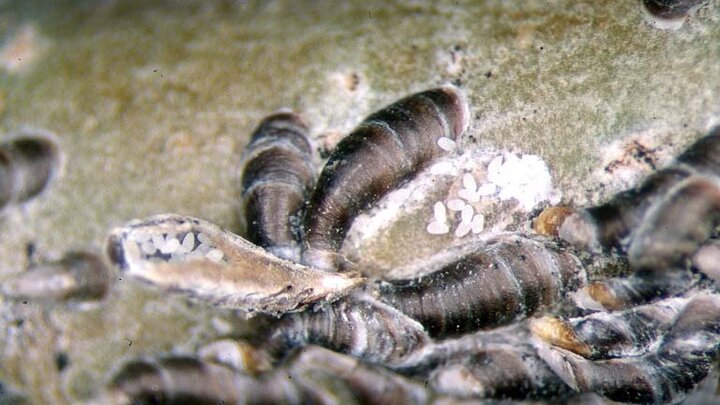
x: 386, y: 149
x: 278, y: 174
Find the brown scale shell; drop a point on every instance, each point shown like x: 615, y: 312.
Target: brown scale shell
x: 672, y: 9
x: 685, y: 197
x: 663, y: 375
x: 499, y: 371
x: 604, y: 335
x: 313, y: 375
x: 386, y: 149
x: 28, y: 162
x: 494, y: 285
x: 78, y: 276
x: 510, y: 278
x: 277, y: 176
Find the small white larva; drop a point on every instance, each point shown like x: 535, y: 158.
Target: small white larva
x: 469, y: 196
x: 478, y: 223
x: 148, y: 247
x: 455, y: 204
x: 463, y: 229
x: 170, y: 246
x: 467, y: 213
x: 437, y: 228
x: 469, y: 182
x: 495, y: 165
x: 214, y: 255
x: 440, y: 212
x: 188, y: 242
x: 441, y: 168
x: 446, y: 144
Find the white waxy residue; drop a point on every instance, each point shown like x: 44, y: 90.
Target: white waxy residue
x: 487, y: 189
x: 525, y: 178
x: 446, y: 144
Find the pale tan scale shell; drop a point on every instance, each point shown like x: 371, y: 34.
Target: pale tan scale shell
x: 245, y: 277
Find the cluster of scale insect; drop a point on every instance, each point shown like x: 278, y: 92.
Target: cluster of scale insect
x: 456, y: 323
x: 460, y: 330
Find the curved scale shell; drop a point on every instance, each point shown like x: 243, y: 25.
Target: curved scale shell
x: 77, y: 276
x: 277, y: 176
x: 675, y: 227
x: 665, y: 374
x: 672, y: 9
x: 493, y: 285
x: 509, y: 279
x: 28, y: 162
x: 368, y: 384
x: 382, y: 152
x: 605, y: 335
x: 638, y: 216
x: 639, y: 288
x: 357, y: 325
x: 499, y: 371
x: 173, y: 380
x: 314, y: 375
x: 198, y: 259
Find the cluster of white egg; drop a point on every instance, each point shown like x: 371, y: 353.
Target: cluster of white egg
x: 525, y: 178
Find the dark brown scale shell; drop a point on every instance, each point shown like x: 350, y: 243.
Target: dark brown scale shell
x: 499, y: 371
x: 28, y: 162
x: 675, y: 227
x: 383, y: 151
x: 314, y: 375
x: 672, y: 9
x: 391, y: 321
x: 619, y: 334
x: 507, y: 280
x: 277, y: 177
x: 173, y: 380
x: 367, y: 384
x: 665, y: 375
x: 357, y: 325
x: 614, y: 225
x: 640, y: 288
x: 616, y: 219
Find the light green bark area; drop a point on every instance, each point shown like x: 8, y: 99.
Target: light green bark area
x: 152, y: 102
